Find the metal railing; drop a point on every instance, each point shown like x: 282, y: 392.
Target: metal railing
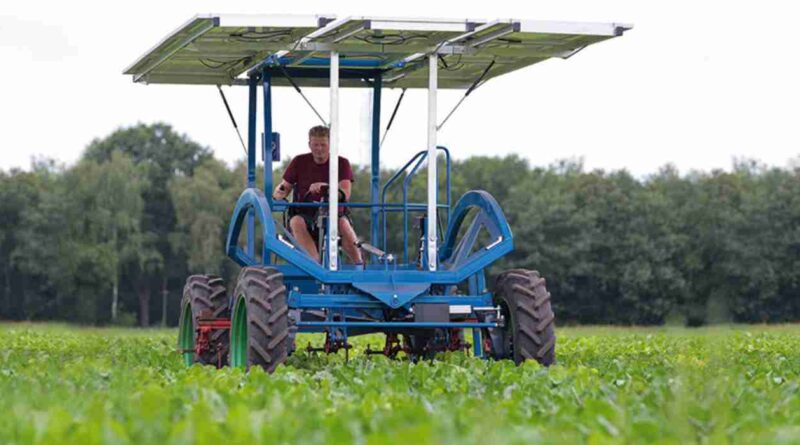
x: 420, y: 157
x: 404, y: 206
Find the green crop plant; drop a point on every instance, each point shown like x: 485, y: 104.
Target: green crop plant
x: 735, y: 384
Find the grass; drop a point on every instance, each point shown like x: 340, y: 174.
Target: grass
x: 737, y: 384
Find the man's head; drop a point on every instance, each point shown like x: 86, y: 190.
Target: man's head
x: 318, y: 142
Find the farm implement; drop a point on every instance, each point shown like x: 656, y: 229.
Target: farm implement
x: 424, y: 295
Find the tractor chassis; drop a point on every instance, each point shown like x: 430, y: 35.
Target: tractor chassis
x: 336, y: 337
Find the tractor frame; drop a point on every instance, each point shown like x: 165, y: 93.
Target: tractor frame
x: 415, y: 302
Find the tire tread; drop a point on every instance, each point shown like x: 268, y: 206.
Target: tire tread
x: 532, y: 323
x: 202, y: 293
x: 268, y: 316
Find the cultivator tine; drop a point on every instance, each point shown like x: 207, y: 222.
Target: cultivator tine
x: 311, y: 349
x: 370, y: 351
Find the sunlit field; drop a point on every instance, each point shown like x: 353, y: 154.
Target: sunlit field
x: 739, y: 384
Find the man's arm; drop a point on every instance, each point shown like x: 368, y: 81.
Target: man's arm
x: 346, y: 185
x: 285, y: 186
x: 282, y: 190
x: 346, y: 177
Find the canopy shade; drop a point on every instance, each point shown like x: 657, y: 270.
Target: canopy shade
x: 222, y: 49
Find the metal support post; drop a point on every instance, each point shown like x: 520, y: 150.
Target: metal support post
x: 433, y: 65
x: 376, y: 156
x: 477, y: 285
x: 251, y: 161
x: 477, y: 343
x: 266, y: 80
x: 333, y: 167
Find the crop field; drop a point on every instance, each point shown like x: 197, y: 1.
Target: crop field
x: 61, y: 385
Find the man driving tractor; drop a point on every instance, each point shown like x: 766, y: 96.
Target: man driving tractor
x: 307, y: 176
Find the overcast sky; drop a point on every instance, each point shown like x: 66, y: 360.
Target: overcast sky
x: 695, y: 83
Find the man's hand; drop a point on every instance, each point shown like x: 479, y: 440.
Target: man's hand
x: 282, y: 190
x: 317, y: 187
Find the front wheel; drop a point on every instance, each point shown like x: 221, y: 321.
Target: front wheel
x: 260, y: 324
x: 528, y: 332
x: 204, y: 297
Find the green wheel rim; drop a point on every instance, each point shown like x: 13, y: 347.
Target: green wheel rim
x: 186, y: 335
x: 239, y: 334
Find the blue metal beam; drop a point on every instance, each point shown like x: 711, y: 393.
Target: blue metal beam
x: 418, y: 158
x: 266, y: 80
x: 477, y: 284
x: 394, y: 324
x: 280, y: 206
x: 253, y: 198
x: 493, y: 219
x: 300, y: 300
x: 251, y: 160
x: 376, y: 157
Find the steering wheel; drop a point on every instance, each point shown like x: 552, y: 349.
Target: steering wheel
x: 324, y: 195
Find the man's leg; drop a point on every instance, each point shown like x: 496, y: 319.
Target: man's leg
x: 349, y: 240
x: 302, y: 235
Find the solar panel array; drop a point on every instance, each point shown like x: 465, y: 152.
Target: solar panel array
x: 222, y: 49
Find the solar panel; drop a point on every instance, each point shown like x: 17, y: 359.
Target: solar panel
x: 215, y: 49
x: 221, y: 49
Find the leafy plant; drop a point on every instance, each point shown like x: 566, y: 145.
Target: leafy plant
x: 611, y: 385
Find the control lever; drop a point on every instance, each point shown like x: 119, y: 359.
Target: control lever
x: 369, y: 248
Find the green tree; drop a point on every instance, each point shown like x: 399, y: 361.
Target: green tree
x: 20, y: 193
x: 203, y: 203
x: 165, y: 155
x: 146, y: 207
x: 117, y: 213
x: 80, y: 236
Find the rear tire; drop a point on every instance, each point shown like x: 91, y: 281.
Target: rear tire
x: 529, y: 331
x: 260, y: 325
x: 204, y: 296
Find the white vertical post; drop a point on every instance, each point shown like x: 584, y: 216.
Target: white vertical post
x: 433, y: 65
x: 333, y: 167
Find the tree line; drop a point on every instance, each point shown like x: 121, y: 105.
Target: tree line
x: 112, y: 238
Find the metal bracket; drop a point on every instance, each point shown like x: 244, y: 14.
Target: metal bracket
x: 495, y: 34
x: 496, y: 242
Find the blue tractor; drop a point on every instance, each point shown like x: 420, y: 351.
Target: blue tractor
x: 422, y: 298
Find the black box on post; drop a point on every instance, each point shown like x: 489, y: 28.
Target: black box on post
x: 432, y: 312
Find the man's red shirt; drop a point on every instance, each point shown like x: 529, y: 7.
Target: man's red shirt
x: 303, y: 171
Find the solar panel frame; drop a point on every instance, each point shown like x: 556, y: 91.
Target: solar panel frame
x: 223, y: 49
x: 159, y: 65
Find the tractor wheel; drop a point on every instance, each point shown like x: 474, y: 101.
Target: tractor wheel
x: 204, y: 296
x: 260, y: 325
x: 529, y: 331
